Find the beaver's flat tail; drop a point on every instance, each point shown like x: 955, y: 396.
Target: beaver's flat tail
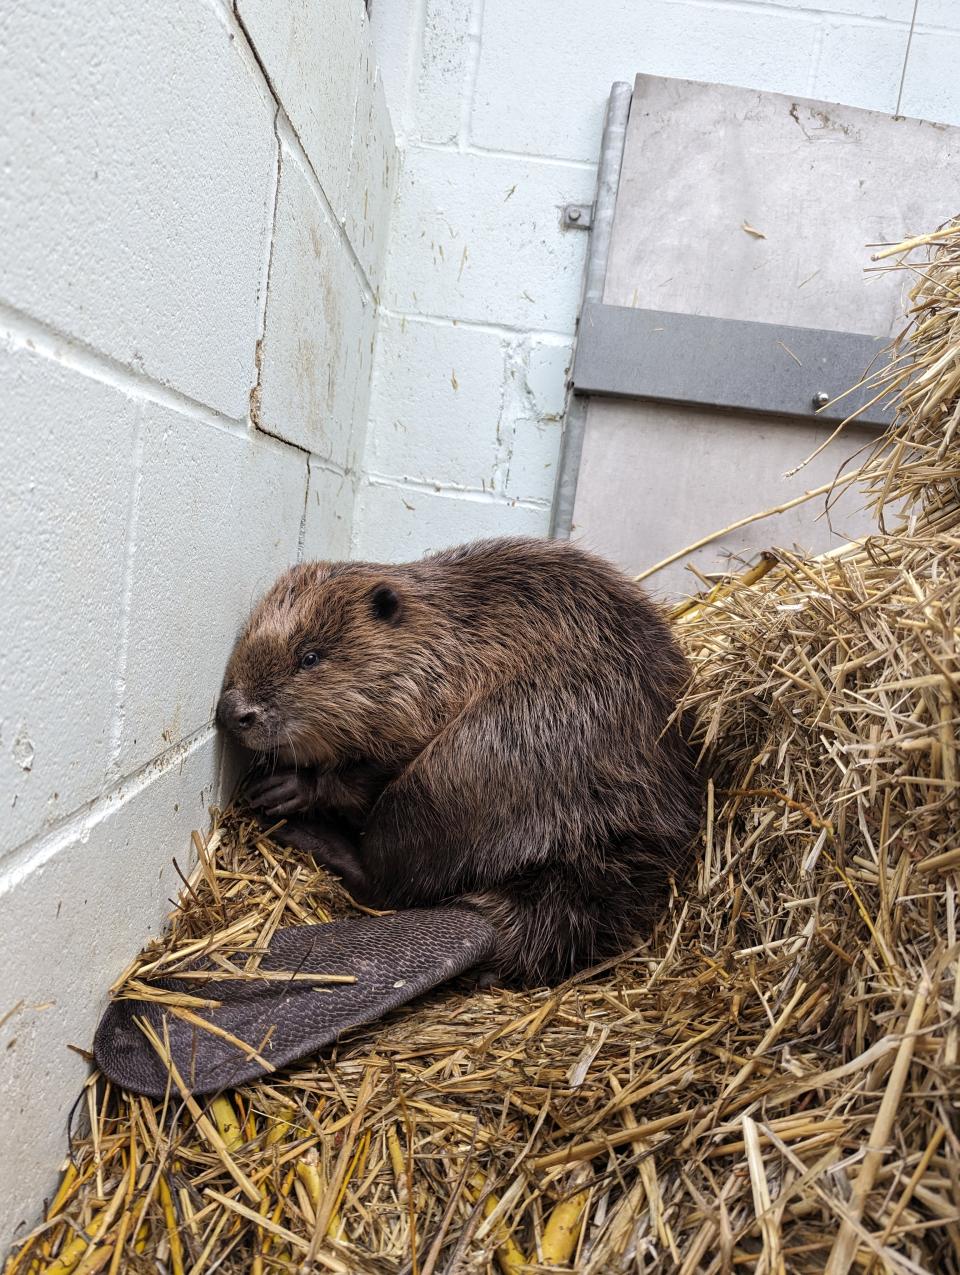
x: 261, y: 1024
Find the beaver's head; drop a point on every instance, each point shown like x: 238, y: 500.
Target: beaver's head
x: 324, y: 667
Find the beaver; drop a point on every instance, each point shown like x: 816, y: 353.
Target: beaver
x: 492, y: 726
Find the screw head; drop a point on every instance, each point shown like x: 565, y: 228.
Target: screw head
x: 821, y: 399
x: 574, y: 214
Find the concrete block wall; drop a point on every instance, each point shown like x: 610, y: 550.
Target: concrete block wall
x: 194, y: 213
x: 499, y: 110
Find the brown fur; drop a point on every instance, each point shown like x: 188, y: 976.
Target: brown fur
x: 499, y: 737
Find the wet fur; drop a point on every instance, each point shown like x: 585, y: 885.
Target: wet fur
x: 499, y: 736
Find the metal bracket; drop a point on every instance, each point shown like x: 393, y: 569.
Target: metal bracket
x: 577, y: 217
x: 732, y: 364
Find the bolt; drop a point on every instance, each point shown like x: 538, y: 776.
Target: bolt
x: 574, y: 214
x: 821, y: 399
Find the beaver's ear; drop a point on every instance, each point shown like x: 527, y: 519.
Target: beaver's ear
x: 385, y: 604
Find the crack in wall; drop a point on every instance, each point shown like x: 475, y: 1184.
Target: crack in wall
x: 303, y: 516
x: 263, y: 295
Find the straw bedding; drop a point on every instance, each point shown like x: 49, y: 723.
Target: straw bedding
x: 770, y: 1084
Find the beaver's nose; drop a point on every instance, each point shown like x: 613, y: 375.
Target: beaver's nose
x: 234, y: 713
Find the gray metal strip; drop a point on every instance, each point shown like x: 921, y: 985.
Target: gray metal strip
x: 608, y: 181
x: 726, y: 363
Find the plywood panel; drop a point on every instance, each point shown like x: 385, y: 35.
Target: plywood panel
x: 818, y: 181
x: 654, y: 478
x: 705, y: 167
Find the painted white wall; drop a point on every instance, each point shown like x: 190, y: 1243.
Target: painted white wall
x: 194, y: 212
x: 499, y: 110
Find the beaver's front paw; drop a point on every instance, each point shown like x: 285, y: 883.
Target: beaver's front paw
x: 284, y: 793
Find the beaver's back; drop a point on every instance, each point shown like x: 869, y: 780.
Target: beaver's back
x: 559, y: 783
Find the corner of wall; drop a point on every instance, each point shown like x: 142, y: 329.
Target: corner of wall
x: 186, y: 365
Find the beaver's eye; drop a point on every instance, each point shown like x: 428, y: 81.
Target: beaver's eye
x: 310, y: 659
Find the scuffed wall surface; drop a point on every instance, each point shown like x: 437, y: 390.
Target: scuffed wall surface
x: 194, y: 212
x: 499, y: 107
